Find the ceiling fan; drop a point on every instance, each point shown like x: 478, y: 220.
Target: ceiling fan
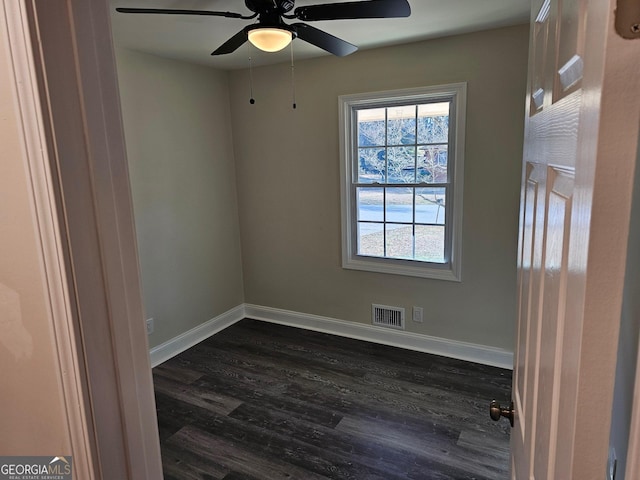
x: 270, y: 33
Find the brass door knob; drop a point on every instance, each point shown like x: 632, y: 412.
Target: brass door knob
x: 496, y: 411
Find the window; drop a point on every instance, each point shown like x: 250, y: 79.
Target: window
x: 402, y: 158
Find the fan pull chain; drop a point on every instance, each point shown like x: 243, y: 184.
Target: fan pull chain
x: 293, y: 78
x: 251, y: 99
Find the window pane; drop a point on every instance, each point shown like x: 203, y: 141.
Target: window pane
x: 432, y: 164
x: 371, y: 131
x: 399, y: 205
x: 399, y: 241
x: 370, y: 239
x: 433, y: 123
x: 430, y: 243
x: 371, y: 165
x: 370, y: 204
x: 430, y: 205
x: 401, y: 125
x: 401, y: 165
x: 398, y: 154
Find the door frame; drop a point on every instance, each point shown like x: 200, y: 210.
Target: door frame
x: 76, y: 37
x: 66, y: 91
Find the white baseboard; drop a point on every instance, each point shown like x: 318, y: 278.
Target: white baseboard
x: 188, y: 339
x: 422, y: 343
x: 412, y: 341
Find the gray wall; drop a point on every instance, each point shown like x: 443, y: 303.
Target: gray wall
x: 287, y: 166
x: 176, y: 119
x: 629, y: 336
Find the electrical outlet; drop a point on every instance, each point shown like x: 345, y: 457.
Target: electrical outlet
x: 149, y: 326
x: 417, y: 314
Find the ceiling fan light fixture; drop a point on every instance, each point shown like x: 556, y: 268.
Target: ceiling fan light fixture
x: 270, y: 39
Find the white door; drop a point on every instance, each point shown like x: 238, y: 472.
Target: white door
x: 581, y: 132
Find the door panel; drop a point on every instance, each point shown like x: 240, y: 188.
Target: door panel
x: 525, y: 368
x: 569, y: 61
x: 581, y: 140
x: 556, y: 240
x: 539, y: 55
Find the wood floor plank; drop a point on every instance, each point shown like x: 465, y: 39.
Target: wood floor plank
x: 237, y: 458
x: 193, y: 394
x: 482, y: 447
x: 429, y: 469
x: 171, y: 416
x: 278, y: 438
x: 180, y: 463
x: 173, y: 371
x: 239, y: 476
x: 274, y: 399
x: 342, y: 391
x: 432, y: 449
x: 356, y: 355
x: 260, y: 401
x: 356, y: 454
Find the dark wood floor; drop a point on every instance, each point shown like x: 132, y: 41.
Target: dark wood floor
x: 260, y: 401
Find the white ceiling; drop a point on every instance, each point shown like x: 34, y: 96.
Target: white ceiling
x: 193, y: 38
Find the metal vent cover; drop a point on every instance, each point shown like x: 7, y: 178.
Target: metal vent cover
x: 385, y: 316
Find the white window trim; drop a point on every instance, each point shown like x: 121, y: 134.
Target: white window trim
x: 448, y: 271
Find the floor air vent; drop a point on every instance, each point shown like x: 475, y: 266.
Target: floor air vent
x: 391, y: 317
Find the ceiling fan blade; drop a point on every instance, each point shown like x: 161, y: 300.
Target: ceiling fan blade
x: 232, y: 44
x: 323, y: 40
x: 166, y: 11
x: 354, y: 10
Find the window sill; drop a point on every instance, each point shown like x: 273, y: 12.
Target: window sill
x: 445, y: 271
